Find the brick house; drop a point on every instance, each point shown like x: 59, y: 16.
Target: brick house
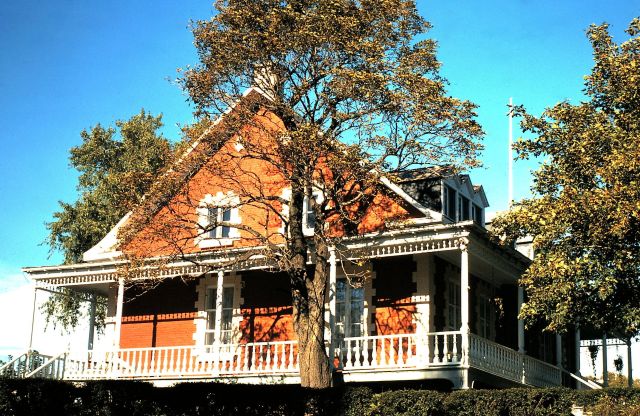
x: 439, y: 301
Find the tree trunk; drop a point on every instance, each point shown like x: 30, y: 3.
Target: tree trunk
x: 314, y: 363
x: 309, y: 291
x: 308, y: 319
x: 315, y: 371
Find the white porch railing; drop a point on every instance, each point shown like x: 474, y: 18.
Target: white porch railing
x: 400, y: 351
x: 437, y: 349
x: 541, y: 374
x: 495, y: 358
x: 256, y: 358
x: 280, y: 358
x: 507, y: 363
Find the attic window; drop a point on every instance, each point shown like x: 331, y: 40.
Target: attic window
x: 217, y: 215
x: 309, y: 217
x: 464, y: 213
x: 476, y: 214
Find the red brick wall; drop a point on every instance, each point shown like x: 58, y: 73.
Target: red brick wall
x: 159, y: 317
x: 394, y: 287
x: 266, y: 312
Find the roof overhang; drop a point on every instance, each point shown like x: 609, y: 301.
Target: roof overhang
x: 408, y: 240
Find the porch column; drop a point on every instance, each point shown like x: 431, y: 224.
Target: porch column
x: 577, y: 350
x: 464, y: 307
x: 119, y: 302
x: 332, y: 303
x: 629, y: 365
x: 218, y: 326
x: 605, y: 368
x: 521, y: 348
x: 559, y: 350
x: 92, y: 321
x: 33, y: 315
x: 464, y: 287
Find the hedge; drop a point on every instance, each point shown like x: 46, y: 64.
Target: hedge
x: 126, y: 398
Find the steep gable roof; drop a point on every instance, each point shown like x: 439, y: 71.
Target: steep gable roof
x: 197, y: 154
x: 180, y: 171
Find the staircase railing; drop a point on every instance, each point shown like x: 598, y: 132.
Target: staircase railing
x: 586, y: 382
x: 23, y: 364
x: 12, y: 367
x: 53, y: 368
x: 505, y: 362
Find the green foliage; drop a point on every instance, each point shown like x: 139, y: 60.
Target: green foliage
x: 355, y: 401
x: 585, y: 215
x: 128, y: 398
x: 408, y: 403
x: 519, y: 402
x: 117, y: 166
x: 106, y: 398
x: 607, y: 406
x: 22, y: 397
x: 610, y: 402
x: 348, y: 70
x: 115, y: 172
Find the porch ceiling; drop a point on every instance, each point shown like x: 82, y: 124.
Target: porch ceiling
x: 486, y: 267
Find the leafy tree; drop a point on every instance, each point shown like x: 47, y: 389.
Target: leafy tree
x: 353, y: 93
x: 585, y: 213
x: 117, y: 166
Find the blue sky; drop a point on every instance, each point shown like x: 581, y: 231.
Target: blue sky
x: 67, y: 65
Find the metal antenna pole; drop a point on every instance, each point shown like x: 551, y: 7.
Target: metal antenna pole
x: 510, y: 173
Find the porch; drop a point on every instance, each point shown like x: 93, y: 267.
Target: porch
x: 425, y: 313
x: 447, y: 355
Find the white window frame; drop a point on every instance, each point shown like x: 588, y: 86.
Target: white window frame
x: 224, y: 333
x: 218, y: 232
x: 306, y: 212
x: 213, y: 237
x: 210, y: 281
x: 306, y: 229
x: 461, y: 201
x: 477, y: 214
x: 454, y: 306
x: 461, y: 215
x: 346, y: 324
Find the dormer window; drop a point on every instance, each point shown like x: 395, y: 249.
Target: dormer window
x: 464, y: 213
x: 476, y: 214
x: 461, y: 201
x: 449, y: 199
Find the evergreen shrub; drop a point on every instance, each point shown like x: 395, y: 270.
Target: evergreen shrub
x: 128, y: 398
